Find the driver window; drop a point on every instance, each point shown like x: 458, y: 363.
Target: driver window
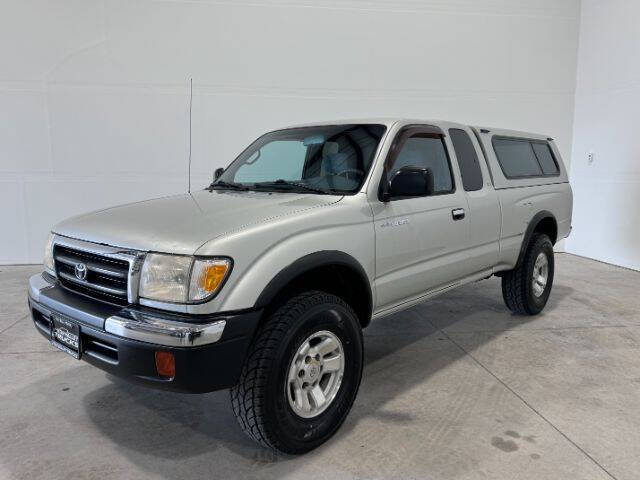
x: 278, y: 159
x: 426, y: 152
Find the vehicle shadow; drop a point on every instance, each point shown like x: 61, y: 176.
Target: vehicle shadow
x: 159, y: 431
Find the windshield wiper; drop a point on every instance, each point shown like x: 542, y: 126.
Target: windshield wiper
x: 286, y: 183
x: 228, y: 186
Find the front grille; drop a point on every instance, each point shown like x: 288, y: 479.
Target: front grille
x: 106, y: 277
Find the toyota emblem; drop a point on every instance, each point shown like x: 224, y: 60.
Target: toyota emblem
x: 81, y: 271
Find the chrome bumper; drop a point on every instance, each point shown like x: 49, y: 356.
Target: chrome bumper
x: 149, y: 329
x: 145, y: 327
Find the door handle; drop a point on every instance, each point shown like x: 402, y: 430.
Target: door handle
x: 457, y: 213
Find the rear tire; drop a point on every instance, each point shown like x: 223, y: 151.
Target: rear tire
x: 264, y: 400
x: 526, y: 289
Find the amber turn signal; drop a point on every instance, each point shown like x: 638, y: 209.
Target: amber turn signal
x: 211, y: 277
x: 165, y: 364
x: 207, y: 277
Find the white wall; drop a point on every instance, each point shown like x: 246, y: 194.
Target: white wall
x: 606, y: 217
x: 94, y: 94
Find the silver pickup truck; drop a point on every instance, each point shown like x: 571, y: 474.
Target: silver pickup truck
x: 263, y: 282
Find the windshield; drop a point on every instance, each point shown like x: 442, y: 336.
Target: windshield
x: 331, y: 159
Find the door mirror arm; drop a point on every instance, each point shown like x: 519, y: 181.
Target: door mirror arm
x: 384, y: 194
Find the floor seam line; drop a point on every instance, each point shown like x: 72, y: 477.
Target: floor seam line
x: 600, y: 261
x: 517, y: 395
x: 29, y: 352
x: 541, y: 329
x: 14, y: 323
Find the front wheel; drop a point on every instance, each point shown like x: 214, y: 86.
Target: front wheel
x: 301, y: 375
x: 526, y: 288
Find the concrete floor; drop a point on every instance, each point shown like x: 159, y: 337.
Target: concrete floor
x: 457, y: 388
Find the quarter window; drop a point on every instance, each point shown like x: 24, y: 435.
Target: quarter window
x: 426, y: 151
x: 467, y: 160
x: 521, y: 157
x: 545, y: 157
x: 516, y: 158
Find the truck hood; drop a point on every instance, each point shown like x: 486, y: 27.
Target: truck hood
x: 183, y: 223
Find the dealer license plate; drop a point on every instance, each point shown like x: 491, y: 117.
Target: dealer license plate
x: 65, y: 335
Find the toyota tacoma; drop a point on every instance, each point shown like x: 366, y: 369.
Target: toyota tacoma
x: 262, y: 282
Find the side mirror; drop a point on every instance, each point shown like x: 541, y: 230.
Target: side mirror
x: 217, y: 173
x: 410, y: 182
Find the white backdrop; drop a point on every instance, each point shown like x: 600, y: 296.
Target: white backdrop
x: 94, y: 94
x: 606, y: 217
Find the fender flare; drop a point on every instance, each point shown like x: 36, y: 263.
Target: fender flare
x: 307, y: 263
x: 533, y: 223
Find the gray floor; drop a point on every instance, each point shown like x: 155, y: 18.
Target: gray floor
x: 456, y: 388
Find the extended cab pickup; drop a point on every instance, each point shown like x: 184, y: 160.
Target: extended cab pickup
x: 263, y: 282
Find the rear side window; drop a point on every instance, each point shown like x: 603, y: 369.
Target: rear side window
x: 545, y: 157
x: 467, y: 160
x: 520, y: 157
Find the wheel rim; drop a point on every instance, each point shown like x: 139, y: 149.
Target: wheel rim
x: 315, y: 374
x: 540, y: 274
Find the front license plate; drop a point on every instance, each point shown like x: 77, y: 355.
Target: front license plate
x: 65, y: 335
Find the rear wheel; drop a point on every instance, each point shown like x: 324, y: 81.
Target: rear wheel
x: 526, y: 288
x: 301, y: 374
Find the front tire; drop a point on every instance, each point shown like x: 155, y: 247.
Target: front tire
x: 301, y: 375
x: 526, y: 288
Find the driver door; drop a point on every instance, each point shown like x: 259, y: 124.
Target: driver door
x: 420, y: 241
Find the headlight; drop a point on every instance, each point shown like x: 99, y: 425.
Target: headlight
x: 165, y: 277
x: 181, y: 279
x: 49, y: 264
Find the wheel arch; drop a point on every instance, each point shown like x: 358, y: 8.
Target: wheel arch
x: 332, y: 271
x: 542, y: 222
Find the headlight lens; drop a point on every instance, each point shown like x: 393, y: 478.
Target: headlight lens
x: 165, y: 277
x: 181, y: 279
x: 49, y: 264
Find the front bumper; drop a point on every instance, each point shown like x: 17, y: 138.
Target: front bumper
x: 209, y: 350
